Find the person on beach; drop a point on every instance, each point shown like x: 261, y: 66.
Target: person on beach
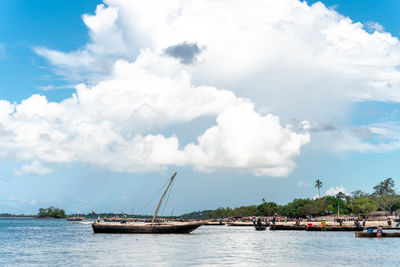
x: 274, y: 220
x: 340, y: 222
x: 323, y: 225
x: 297, y: 222
x: 389, y: 222
x: 364, y: 223
x: 379, y: 232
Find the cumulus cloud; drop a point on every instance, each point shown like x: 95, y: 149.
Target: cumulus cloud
x: 334, y: 190
x: 117, y: 124
x: 275, y: 49
x: 292, y: 59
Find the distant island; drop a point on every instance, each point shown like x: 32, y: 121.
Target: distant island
x: 51, y: 212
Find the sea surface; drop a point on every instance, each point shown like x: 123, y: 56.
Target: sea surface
x: 52, y: 242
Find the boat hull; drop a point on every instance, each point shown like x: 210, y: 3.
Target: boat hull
x: 287, y: 227
x: 240, y: 224
x: 261, y: 227
x: 108, y: 228
x: 335, y: 229
x: 373, y: 235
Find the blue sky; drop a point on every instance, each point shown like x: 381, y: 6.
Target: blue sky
x: 139, y: 110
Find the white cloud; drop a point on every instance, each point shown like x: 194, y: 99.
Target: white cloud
x: 292, y: 59
x: 264, y: 50
x: 243, y: 139
x: 334, y: 190
x: 117, y: 124
x: 33, y: 168
x: 376, y: 137
x: 302, y: 183
x: 374, y: 26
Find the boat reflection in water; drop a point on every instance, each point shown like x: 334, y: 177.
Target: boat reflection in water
x: 148, y: 228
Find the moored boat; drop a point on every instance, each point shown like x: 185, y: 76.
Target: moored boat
x: 75, y: 219
x: 287, y: 227
x: 373, y: 234
x: 260, y: 227
x: 334, y: 229
x: 147, y: 228
x: 240, y: 224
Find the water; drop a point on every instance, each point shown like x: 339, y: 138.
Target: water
x: 58, y: 242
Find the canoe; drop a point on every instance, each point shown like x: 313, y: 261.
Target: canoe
x: 334, y: 229
x: 147, y: 228
x: 287, y: 227
x: 372, y: 234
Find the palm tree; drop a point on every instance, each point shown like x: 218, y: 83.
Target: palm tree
x: 318, y: 184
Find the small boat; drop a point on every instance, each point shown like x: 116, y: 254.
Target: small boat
x: 147, y: 228
x: 215, y: 223
x: 335, y: 229
x: 287, y: 227
x: 75, y: 219
x: 240, y: 223
x: 373, y: 235
x: 260, y: 227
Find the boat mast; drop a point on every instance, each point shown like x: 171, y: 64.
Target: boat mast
x: 159, y: 203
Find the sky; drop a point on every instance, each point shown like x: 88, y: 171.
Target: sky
x: 101, y: 102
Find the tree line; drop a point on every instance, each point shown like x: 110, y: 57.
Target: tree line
x: 359, y: 203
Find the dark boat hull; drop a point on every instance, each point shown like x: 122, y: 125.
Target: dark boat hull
x: 75, y: 219
x: 288, y: 227
x: 335, y: 229
x: 372, y: 234
x: 261, y: 227
x: 107, y: 228
x: 240, y: 224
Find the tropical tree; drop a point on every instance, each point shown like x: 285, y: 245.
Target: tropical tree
x: 384, y: 187
x: 318, y: 184
x: 341, y: 195
x: 363, y: 206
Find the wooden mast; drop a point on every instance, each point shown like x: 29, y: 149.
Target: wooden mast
x: 159, y: 203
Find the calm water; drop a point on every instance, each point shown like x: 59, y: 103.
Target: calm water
x: 58, y: 242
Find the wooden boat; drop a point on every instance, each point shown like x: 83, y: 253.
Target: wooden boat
x: 260, y: 227
x: 215, y: 223
x: 287, y: 227
x: 373, y: 235
x: 240, y: 224
x: 75, y: 219
x: 335, y: 229
x: 147, y: 228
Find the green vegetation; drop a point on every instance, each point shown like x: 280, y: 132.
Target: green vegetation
x: 384, y: 198
x: 51, y: 212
